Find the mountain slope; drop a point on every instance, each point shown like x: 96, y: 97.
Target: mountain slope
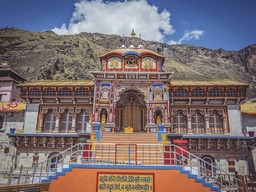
x: 46, y: 55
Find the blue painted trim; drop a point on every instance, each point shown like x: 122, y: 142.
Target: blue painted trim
x: 98, y: 134
x: 159, y: 133
x: 131, y: 53
x: 200, y: 180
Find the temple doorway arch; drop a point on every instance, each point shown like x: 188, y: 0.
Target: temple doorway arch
x: 131, y: 111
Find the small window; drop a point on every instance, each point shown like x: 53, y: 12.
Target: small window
x: 216, y: 92
x: 81, y: 92
x: 231, y: 166
x: 34, y: 92
x: 49, y: 92
x: 231, y: 92
x: 242, y: 92
x: 65, y: 91
x: 180, y: 92
x: 198, y: 92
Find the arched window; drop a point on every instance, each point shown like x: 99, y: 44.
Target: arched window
x: 207, y: 166
x: 49, y: 91
x: 65, y: 122
x: 53, y: 160
x: 81, y: 121
x: 216, y: 92
x: 216, y: 122
x: 65, y: 91
x: 179, y: 122
x: 198, y: 122
x: 34, y: 92
x: 49, y: 121
x: 180, y: 92
x: 198, y: 92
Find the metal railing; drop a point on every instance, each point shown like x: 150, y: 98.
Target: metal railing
x: 41, y: 187
x: 127, y: 155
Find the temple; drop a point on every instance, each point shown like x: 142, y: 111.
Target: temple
x: 132, y: 95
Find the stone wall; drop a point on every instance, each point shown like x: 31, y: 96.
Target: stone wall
x: 31, y: 115
x: 235, y: 120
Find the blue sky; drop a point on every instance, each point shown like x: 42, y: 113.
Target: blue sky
x: 227, y: 24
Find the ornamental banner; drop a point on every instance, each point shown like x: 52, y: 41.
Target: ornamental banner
x: 12, y: 106
x: 131, y: 182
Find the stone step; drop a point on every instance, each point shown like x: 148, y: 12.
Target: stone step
x: 146, y: 153
x: 126, y: 160
x: 128, y: 142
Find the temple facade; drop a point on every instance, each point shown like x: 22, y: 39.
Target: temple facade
x: 131, y: 91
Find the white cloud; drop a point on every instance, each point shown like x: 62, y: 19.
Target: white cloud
x: 119, y: 18
x: 188, y: 35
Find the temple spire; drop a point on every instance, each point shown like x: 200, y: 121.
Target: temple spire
x: 133, y: 34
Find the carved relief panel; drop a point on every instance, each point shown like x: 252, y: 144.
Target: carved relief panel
x: 114, y: 63
x: 148, y: 63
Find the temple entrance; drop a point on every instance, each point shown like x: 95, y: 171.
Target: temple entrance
x: 131, y: 111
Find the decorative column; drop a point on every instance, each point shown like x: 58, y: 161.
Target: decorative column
x: 73, y: 126
x: 43, y: 112
x: 171, y: 121
x: 57, y: 123
x: 189, y: 124
x: 207, y: 124
x: 225, y: 124
x: 41, y: 120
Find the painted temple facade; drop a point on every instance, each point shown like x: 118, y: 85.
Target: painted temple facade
x: 131, y: 90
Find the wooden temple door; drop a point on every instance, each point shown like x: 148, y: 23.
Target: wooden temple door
x: 131, y: 111
x: 132, y: 118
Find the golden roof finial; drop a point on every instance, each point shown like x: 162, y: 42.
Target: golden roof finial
x: 133, y: 34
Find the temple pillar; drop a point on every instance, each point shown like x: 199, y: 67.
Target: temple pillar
x: 57, y: 124
x: 207, y: 124
x: 73, y: 125
x: 189, y: 124
x: 225, y: 124
x: 41, y: 120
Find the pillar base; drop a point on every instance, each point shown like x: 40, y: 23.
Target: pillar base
x: 72, y: 131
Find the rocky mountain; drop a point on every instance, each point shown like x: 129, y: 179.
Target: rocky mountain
x: 46, y: 55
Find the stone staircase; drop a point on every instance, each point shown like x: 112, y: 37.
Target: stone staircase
x: 130, y: 148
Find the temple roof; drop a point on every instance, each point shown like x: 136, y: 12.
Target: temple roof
x: 180, y: 82
x: 128, y: 51
x: 7, y: 74
x: 59, y: 83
